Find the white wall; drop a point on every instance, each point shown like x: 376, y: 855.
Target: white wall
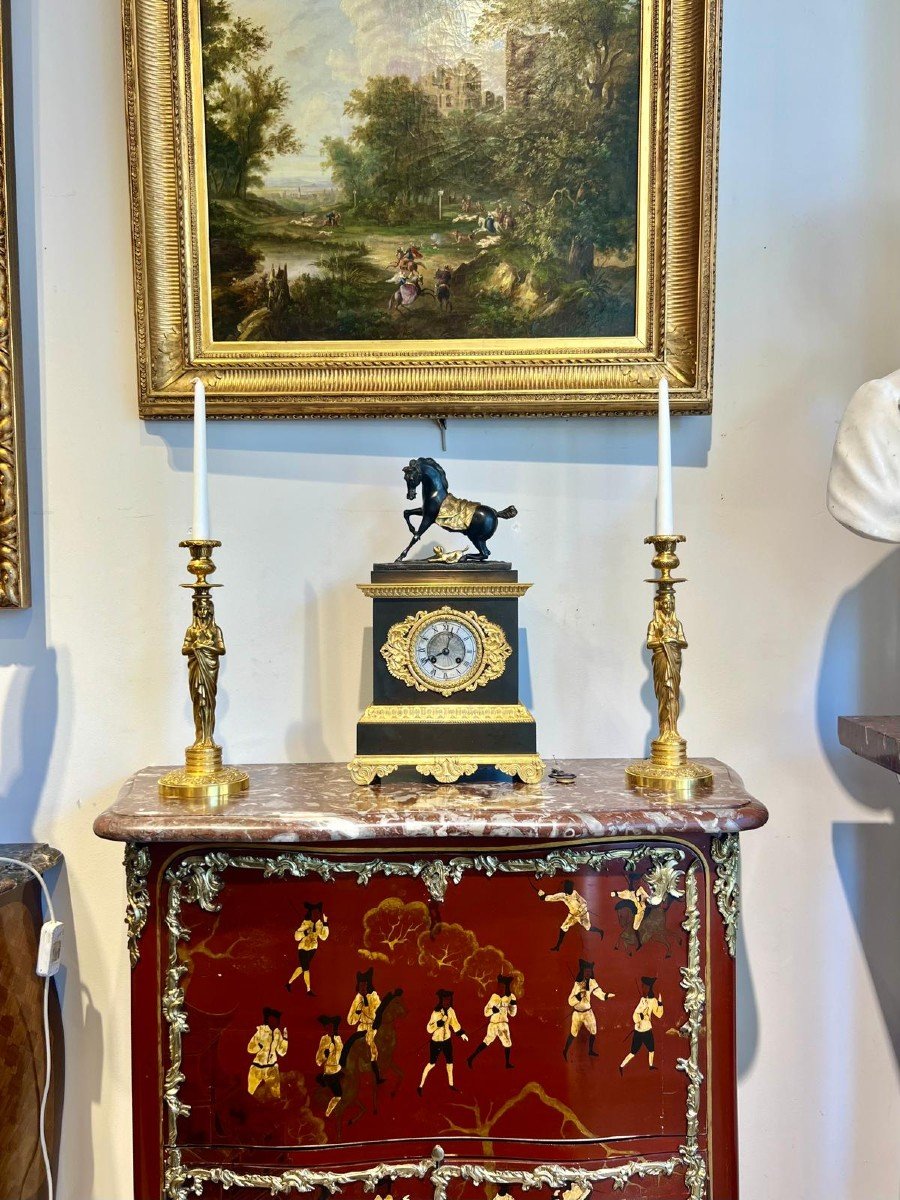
x: 791, y: 619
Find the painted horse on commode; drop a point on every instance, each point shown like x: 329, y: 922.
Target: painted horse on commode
x: 477, y: 521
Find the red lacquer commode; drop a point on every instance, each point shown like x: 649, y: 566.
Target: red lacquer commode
x: 434, y: 991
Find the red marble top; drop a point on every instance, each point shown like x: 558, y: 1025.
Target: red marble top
x: 318, y: 802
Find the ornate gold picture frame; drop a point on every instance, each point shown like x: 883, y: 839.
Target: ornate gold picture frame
x: 15, y: 591
x: 268, y: 350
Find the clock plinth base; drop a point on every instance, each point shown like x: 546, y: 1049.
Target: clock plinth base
x: 445, y: 768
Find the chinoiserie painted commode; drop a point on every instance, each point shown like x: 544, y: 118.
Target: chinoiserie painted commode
x: 434, y: 991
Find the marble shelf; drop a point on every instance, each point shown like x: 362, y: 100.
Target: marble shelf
x: 41, y: 856
x: 874, y: 738
x: 318, y: 802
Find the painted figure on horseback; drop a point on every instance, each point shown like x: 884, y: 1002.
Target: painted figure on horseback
x: 411, y: 285
x: 477, y: 521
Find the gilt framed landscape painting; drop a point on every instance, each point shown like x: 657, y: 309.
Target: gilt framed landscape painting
x: 423, y: 207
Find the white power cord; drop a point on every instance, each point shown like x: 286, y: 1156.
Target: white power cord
x: 47, y: 965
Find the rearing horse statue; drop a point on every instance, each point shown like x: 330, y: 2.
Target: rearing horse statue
x: 477, y: 521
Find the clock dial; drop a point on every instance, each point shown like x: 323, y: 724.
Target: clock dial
x: 445, y: 651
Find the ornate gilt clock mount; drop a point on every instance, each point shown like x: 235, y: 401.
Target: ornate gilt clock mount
x: 445, y: 660
x: 446, y: 651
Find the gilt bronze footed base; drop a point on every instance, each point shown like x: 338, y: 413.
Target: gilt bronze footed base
x: 203, y: 777
x: 445, y: 768
x: 668, y: 769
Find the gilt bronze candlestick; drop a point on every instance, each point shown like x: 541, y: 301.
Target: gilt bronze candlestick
x: 668, y: 769
x: 203, y: 776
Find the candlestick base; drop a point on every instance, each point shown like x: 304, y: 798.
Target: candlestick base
x: 203, y: 777
x: 668, y: 769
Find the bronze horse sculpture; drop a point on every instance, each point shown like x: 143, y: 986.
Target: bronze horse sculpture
x: 477, y: 521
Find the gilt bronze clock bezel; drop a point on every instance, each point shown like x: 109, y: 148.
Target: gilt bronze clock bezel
x: 492, y: 649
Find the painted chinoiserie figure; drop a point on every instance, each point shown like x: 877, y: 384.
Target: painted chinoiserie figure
x: 584, y: 991
x: 649, y: 1007
x: 267, y: 1045
x: 312, y: 931
x: 443, y: 1025
x: 329, y: 1057
x: 518, y: 989
x: 499, y: 1010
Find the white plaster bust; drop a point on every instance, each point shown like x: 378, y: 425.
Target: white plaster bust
x: 864, y: 482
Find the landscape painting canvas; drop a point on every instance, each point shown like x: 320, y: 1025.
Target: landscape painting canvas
x: 420, y: 169
x: 422, y: 207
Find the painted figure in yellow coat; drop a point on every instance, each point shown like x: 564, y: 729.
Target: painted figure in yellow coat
x: 362, y: 1017
x: 577, y: 912
x: 639, y: 897
x: 581, y: 999
x: 499, y: 1010
x: 648, y: 1007
x: 267, y: 1045
x: 443, y: 1024
x: 328, y: 1057
x: 312, y: 930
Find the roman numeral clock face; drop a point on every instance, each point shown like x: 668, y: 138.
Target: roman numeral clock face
x: 446, y: 651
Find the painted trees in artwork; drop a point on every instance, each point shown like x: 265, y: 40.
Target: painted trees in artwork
x: 570, y: 132
x: 564, y: 144
x: 399, y: 126
x: 401, y: 150
x: 391, y: 930
x: 401, y: 932
x: 245, y: 102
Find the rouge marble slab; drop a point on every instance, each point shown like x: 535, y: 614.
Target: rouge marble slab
x: 318, y: 802
x: 38, y: 854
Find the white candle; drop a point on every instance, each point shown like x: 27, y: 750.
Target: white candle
x: 665, y: 517
x: 200, y: 525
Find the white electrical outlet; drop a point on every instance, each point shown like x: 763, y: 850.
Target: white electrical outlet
x: 49, y: 948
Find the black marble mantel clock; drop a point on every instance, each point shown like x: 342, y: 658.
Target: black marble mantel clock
x: 445, y: 674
